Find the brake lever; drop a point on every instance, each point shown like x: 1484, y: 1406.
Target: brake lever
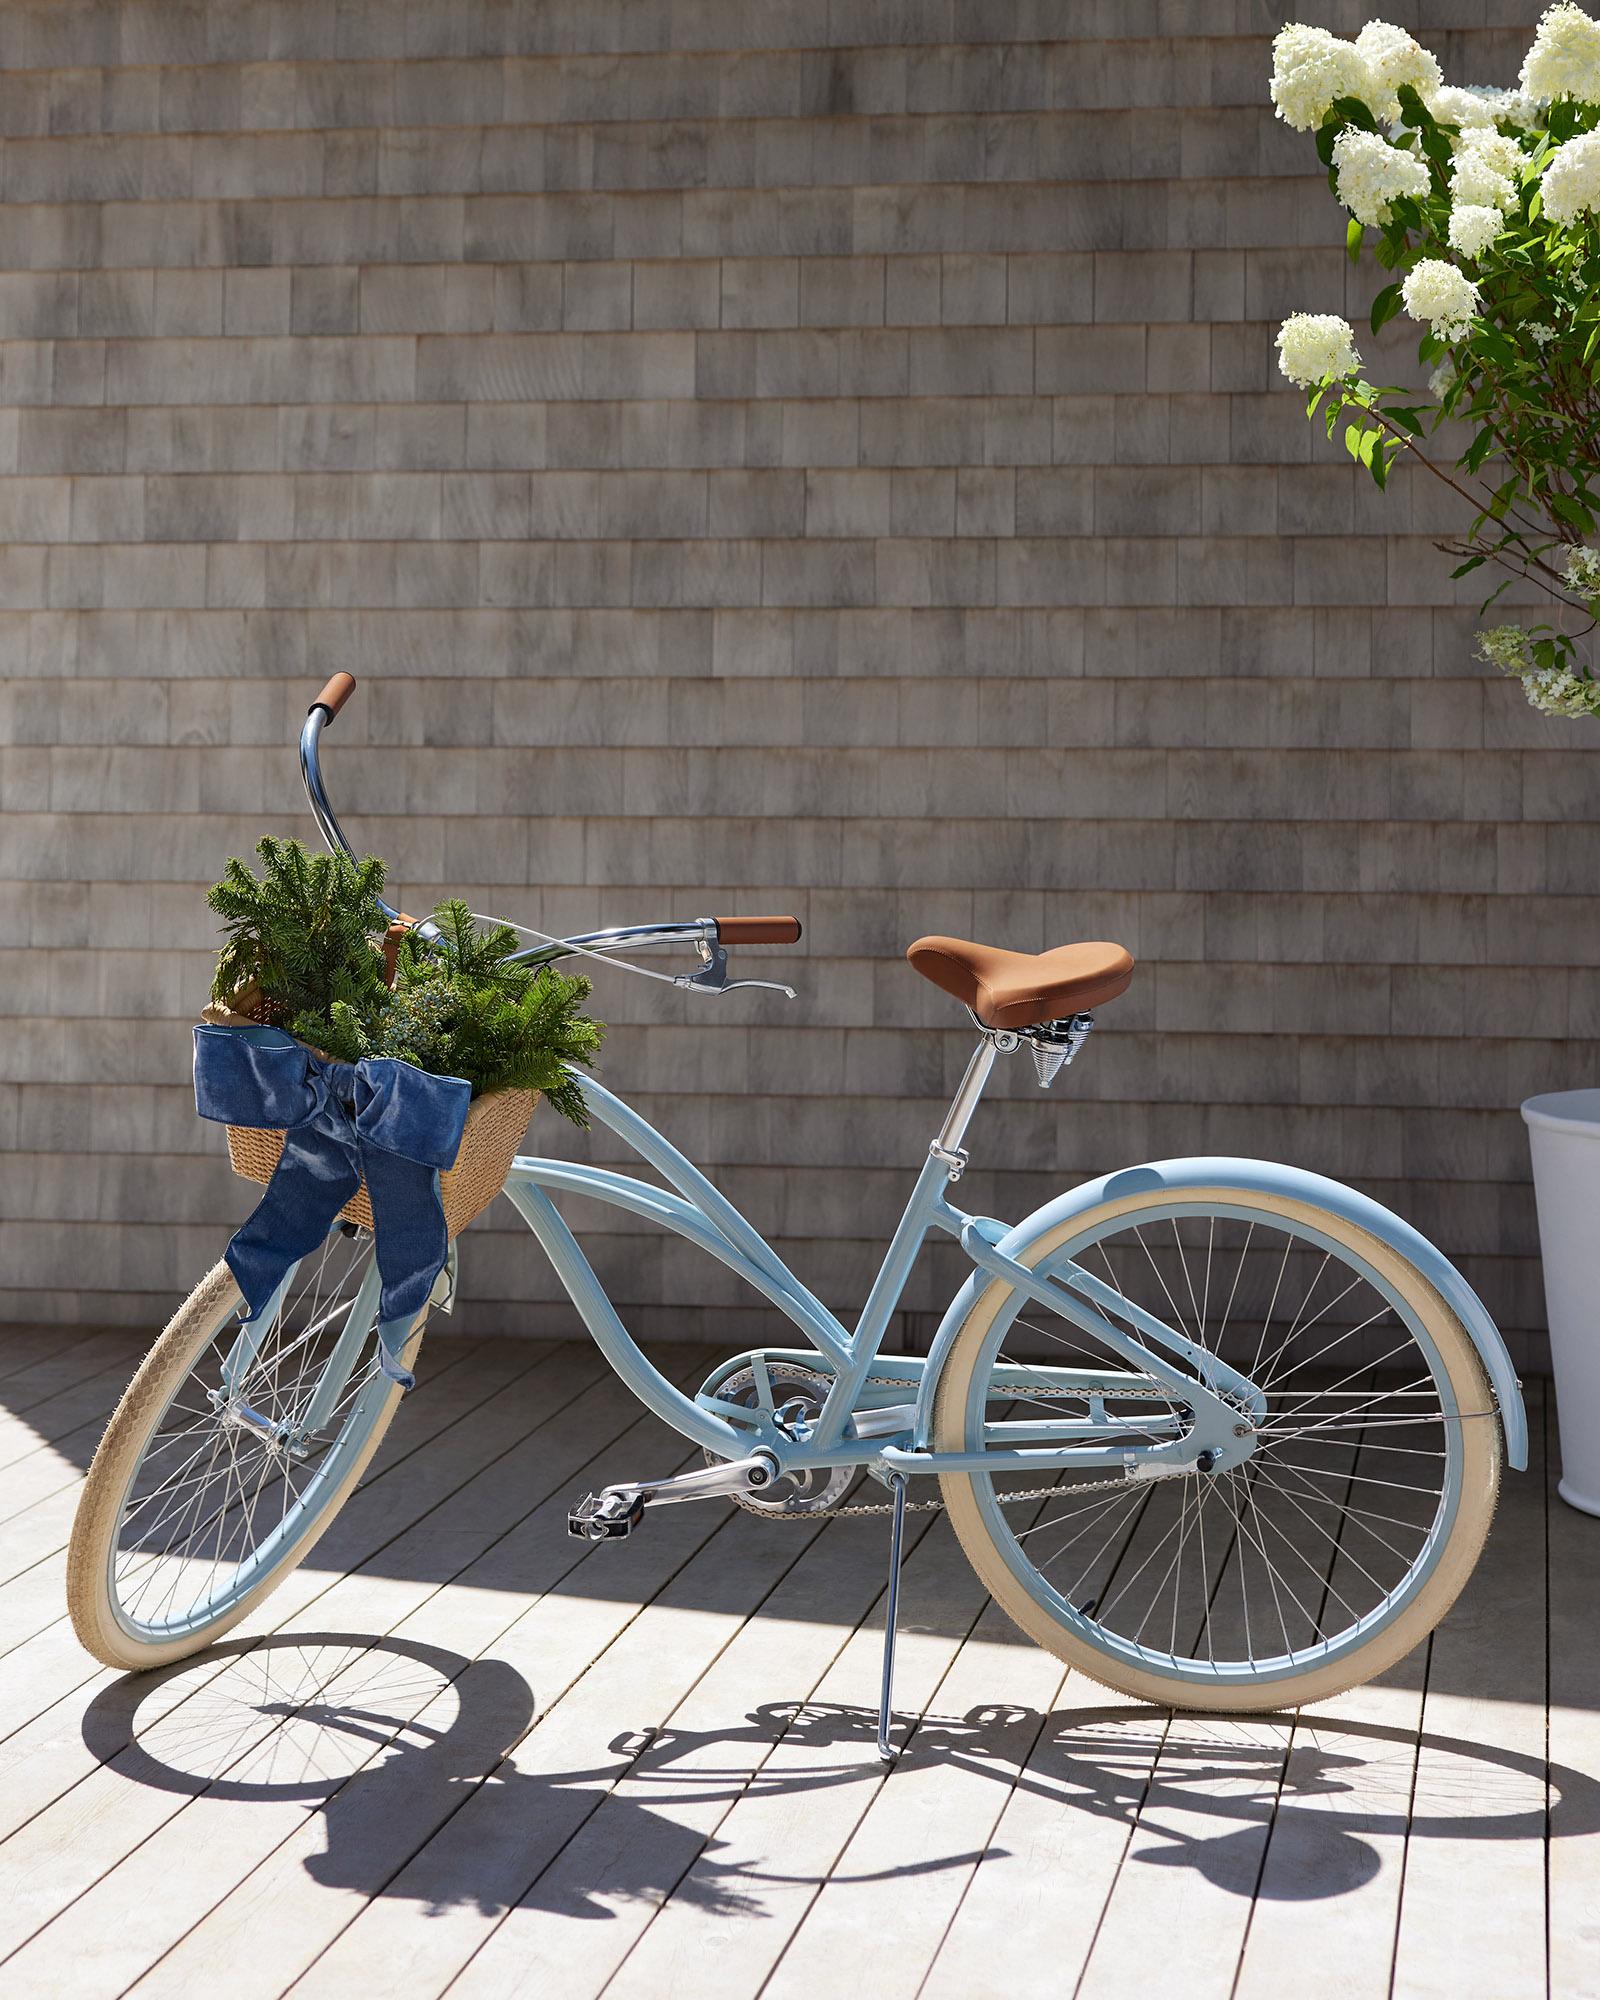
x: 713, y: 975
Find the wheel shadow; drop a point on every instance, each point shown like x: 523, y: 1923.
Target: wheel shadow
x: 409, y: 1755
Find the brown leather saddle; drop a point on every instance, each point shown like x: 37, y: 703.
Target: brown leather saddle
x: 1021, y: 989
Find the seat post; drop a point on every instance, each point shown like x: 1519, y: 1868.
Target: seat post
x: 947, y: 1146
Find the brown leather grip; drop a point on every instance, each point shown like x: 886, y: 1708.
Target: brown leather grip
x: 758, y: 930
x: 335, y: 694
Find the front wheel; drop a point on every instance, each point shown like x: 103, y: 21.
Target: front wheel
x: 227, y: 1458
x: 1312, y: 1566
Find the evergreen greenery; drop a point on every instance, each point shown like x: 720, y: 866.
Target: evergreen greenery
x: 302, y: 949
x: 302, y: 937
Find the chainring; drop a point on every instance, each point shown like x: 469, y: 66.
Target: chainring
x: 793, y: 1495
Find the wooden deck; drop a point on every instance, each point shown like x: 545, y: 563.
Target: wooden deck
x: 460, y: 1752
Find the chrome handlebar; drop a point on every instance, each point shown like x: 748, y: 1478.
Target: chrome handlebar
x: 699, y: 933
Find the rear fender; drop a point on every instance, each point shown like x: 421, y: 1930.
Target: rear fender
x: 1258, y: 1177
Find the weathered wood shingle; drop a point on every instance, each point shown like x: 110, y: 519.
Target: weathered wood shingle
x: 819, y: 456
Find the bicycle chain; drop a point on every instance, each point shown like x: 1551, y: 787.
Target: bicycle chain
x: 863, y: 1508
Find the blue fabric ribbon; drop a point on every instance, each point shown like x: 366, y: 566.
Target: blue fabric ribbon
x: 380, y: 1118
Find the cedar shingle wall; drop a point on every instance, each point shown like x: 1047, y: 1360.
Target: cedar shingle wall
x: 814, y: 456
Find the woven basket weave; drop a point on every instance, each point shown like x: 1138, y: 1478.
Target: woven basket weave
x: 494, y: 1129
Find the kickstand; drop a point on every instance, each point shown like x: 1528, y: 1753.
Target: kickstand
x: 886, y: 1750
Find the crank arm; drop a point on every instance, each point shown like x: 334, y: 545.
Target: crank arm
x: 617, y: 1510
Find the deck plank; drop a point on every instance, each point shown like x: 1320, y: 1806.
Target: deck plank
x: 40, y: 1404
x: 930, y: 1824
x: 26, y: 1346
x: 35, y: 1599
x: 661, y: 1830
x: 23, y: 1390
x: 593, y: 1661
x: 205, y: 1851
x: 1472, y: 1908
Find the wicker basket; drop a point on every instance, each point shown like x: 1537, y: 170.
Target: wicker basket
x: 494, y: 1129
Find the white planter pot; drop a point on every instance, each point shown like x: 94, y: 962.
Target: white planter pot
x: 1564, y: 1135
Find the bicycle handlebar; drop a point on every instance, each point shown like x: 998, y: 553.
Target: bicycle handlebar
x: 707, y: 931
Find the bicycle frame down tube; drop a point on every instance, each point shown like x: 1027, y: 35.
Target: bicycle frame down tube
x: 707, y: 1219
x: 701, y: 1426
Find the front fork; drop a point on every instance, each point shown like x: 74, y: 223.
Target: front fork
x: 294, y: 1435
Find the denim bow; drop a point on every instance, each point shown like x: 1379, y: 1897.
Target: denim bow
x: 380, y: 1118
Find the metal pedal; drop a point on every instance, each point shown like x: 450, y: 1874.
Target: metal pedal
x: 605, y: 1517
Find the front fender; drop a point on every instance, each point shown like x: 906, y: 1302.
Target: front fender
x: 1259, y: 1177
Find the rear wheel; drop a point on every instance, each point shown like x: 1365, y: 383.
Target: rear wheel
x: 208, y: 1488
x: 1313, y: 1565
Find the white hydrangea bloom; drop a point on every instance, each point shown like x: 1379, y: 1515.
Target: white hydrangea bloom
x: 1505, y: 647
x: 1543, y: 335
x: 1310, y: 68
x: 1475, y: 184
x: 1473, y: 228
x: 1315, y: 347
x: 1393, y: 58
x: 1551, y: 690
x: 1571, y: 184
x: 1453, y: 104
x: 1442, y: 380
x: 1581, y: 571
x: 1515, y: 107
x: 1498, y: 151
x: 1556, y: 691
x: 1440, y: 294
x: 1372, y: 173
x: 1565, y: 58
x: 1486, y: 170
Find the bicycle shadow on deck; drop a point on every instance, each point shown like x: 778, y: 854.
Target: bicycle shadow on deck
x: 409, y: 1754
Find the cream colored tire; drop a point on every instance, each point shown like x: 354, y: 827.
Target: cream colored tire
x: 1479, y: 1483
x: 128, y: 1435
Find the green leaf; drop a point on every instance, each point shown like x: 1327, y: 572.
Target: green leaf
x: 1353, y: 236
x: 1471, y: 563
x: 1350, y: 111
x: 1412, y: 109
x: 1385, y: 306
x: 1437, y: 147
x: 1570, y: 510
x: 1478, y: 450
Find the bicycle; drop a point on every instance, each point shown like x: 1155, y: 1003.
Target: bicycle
x: 1219, y: 1433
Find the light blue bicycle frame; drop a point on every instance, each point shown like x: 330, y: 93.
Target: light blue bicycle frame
x: 1215, y: 1394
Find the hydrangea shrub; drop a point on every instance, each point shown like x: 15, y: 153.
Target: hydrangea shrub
x: 1485, y: 204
